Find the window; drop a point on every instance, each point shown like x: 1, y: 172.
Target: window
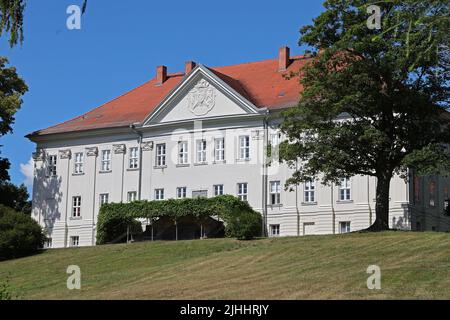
x: 159, y: 194
x: 132, y: 196
x: 134, y: 158
x: 104, y: 198
x: 219, y: 149
x: 182, y: 152
x: 48, y: 243
x: 200, y: 194
x: 344, y: 226
x: 432, y: 193
x: 181, y: 192
x: 344, y: 189
x: 201, y: 151
x: 161, y: 155
x: 218, y: 190
x: 274, y: 230
x: 275, y: 192
x: 79, y: 158
x: 106, y: 160
x: 74, y: 241
x: 51, y: 166
x: 310, y: 190
x: 244, y: 148
x: 76, y: 207
x: 243, y: 191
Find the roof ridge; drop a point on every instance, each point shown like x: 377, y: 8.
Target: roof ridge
x: 296, y: 57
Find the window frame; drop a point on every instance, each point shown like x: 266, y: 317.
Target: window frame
x: 158, y: 193
x: 72, y: 241
x: 101, y: 198
x: 345, y: 188
x: 219, y: 149
x: 240, y: 194
x: 183, y: 152
x: 51, y: 165
x: 215, y: 187
x: 78, y: 163
x: 161, y: 152
x: 200, y: 153
x: 309, y: 191
x: 133, y: 159
x: 106, y: 161
x: 76, y: 207
x: 181, y: 192
x: 275, y: 195
x: 131, y: 198
x: 346, y: 225
x: 244, y: 148
x: 274, y: 227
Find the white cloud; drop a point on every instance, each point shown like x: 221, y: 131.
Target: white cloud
x: 28, y: 171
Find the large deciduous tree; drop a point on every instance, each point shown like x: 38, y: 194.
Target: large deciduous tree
x: 12, y: 88
x: 375, y: 99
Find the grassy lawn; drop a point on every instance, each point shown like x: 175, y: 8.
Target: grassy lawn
x: 413, y: 265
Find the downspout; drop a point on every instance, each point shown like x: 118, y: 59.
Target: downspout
x: 333, y: 213
x: 368, y: 201
x: 66, y: 229
x: 296, y: 202
x: 139, y: 134
x: 94, y: 199
x: 264, y: 177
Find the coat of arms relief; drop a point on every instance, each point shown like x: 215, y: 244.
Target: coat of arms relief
x: 201, y: 98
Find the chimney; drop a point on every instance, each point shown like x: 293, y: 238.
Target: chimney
x: 161, y: 75
x: 283, y: 59
x: 188, y: 67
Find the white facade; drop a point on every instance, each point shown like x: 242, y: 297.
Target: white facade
x: 179, y: 150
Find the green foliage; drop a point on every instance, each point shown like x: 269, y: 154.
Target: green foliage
x: 388, y: 88
x: 12, y: 87
x: 11, y: 19
x: 15, y: 197
x: 5, y: 290
x: 20, y: 235
x: 244, y: 225
x: 114, y: 217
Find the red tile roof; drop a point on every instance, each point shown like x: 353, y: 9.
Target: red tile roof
x: 259, y: 82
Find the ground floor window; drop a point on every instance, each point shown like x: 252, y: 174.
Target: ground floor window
x: 132, y: 196
x: 159, y: 194
x: 243, y: 191
x: 344, y: 226
x: 218, y: 189
x: 181, y: 192
x: 274, y: 230
x: 74, y: 241
x: 48, y: 243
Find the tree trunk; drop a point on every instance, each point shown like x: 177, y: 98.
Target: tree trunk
x: 382, y: 203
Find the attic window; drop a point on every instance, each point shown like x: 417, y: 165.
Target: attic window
x: 281, y: 94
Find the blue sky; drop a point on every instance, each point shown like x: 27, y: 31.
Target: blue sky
x: 121, y: 43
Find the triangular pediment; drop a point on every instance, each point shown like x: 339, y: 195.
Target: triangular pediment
x: 201, y: 95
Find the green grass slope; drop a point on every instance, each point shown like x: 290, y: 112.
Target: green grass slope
x: 413, y: 265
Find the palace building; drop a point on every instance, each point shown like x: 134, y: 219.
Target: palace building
x: 205, y: 132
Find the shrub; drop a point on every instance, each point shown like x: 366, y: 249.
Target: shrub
x: 20, y: 235
x: 244, y: 226
x: 114, y: 216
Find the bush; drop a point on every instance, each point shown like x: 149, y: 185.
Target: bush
x: 244, y: 226
x: 20, y: 235
x: 114, y: 216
